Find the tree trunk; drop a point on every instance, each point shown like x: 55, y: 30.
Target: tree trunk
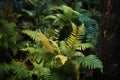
x: 110, y: 39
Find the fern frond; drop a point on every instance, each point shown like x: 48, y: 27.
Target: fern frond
x: 78, y: 54
x: 91, y: 30
x: 55, y: 45
x: 63, y: 48
x: 46, y: 44
x: 33, y: 54
x: 30, y: 50
x: 42, y: 73
x: 35, y: 35
x: 72, y: 37
x: 51, y: 17
x: 37, y: 55
x: 39, y: 37
x: 4, y: 70
x: 21, y: 71
x: 55, y: 17
x: 8, y: 35
x: 92, y: 62
x: 60, y: 60
x: 68, y: 11
x: 63, y: 14
x: 8, y: 30
x: 4, y: 67
x: 81, y: 32
x: 76, y: 37
x: 78, y: 57
x: 84, y: 46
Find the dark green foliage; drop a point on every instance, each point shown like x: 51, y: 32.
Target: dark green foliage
x: 8, y: 33
x: 8, y: 38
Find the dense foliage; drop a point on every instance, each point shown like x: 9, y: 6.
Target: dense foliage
x: 47, y: 40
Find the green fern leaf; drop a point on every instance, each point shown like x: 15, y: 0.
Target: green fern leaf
x: 68, y: 11
x: 20, y: 71
x: 84, y: 46
x: 8, y: 35
x: 35, y: 35
x: 42, y: 73
x: 92, y: 62
x: 51, y: 17
x: 63, y: 48
x: 30, y: 50
x: 57, y: 17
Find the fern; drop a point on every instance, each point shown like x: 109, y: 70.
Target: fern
x: 67, y: 11
x: 15, y: 70
x: 92, y: 62
x: 33, y: 34
x: 62, y: 15
x: 8, y: 31
x: 60, y: 60
x: 81, y: 33
x: 72, y: 39
x: 41, y: 60
x: 84, y: 46
x: 4, y: 70
x: 63, y: 48
x: 56, y: 47
x: 46, y: 44
x: 39, y: 37
x: 76, y: 37
x: 22, y: 71
x: 75, y: 42
x: 91, y: 30
x: 22, y: 74
x: 43, y: 73
x: 8, y: 35
x: 37, y: 55
x: 31, y: 50
x: 38, y: 62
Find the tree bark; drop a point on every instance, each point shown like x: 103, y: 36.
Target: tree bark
x: 110, y: 39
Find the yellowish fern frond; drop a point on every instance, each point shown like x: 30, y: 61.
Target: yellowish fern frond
x: 46, y: 44
x: 60, y: 60
x: 76, y: 37
x: 56, y: 47
x: 81, y: 32
x: 72, y: 37
x: 40, y: 37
